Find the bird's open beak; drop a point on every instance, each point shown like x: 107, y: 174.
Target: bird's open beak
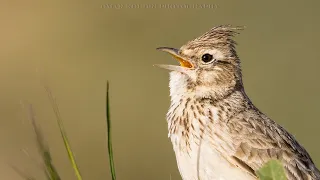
x: 184, y: 64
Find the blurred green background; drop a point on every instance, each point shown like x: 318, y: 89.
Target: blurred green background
x: 75, y: 46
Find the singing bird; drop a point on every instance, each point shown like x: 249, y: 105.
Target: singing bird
x: 216, y: 131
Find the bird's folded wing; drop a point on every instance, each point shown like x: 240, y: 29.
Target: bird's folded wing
x: 259, y: 140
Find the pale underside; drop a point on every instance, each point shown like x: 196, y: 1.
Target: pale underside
x: 203, y: 159
x: 210, y: 165
x: 229, y: 140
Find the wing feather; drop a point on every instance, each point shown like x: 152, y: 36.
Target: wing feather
x: 258, y: 139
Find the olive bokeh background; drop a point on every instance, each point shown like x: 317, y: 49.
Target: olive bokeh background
x: 75, y: 46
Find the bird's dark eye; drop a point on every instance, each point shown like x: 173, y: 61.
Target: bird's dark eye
x: 207, y: 58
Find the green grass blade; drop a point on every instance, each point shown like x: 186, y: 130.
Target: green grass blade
x: 50, y: 170
x: 110, y: 151
x: 64, y: 135
x: 272, y: 170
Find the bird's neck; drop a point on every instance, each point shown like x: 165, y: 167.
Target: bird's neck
x: 190, y: 112
x: 182, y: 87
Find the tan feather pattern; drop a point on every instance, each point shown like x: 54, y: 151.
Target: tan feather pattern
x: 216, y: 131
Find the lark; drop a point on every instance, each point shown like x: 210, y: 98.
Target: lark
x: 216, y: 131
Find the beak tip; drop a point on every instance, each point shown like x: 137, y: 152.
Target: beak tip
x: 172, y: 51
x: 160, y: 48
x: 175, y: 53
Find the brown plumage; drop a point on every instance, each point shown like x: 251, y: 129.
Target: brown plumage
x: 216, y: 131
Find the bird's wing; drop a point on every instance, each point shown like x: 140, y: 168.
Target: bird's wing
x: 257, y: 139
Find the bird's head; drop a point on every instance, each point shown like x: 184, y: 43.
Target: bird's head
x: 209, y: 65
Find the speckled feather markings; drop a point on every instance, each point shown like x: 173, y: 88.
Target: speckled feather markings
x: 216, y: 131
